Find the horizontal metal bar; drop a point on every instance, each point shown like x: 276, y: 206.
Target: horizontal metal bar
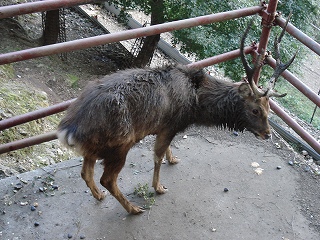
x: 295, y: 126
x: 39, y: 6
x: 296, y: 83
x: 221, y: 58
x: 27, y: 142
x: 124, y: 35
x: 302, y: 37
x: 40, y: 113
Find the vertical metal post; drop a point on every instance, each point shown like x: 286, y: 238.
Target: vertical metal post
x: 268, y: 17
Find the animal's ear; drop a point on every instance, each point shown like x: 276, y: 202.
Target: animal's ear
x: 245, y: 90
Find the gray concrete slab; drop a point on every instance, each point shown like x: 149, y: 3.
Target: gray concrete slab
x: 264, y: 206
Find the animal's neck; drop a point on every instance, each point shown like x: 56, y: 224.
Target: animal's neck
x: 220, y: 105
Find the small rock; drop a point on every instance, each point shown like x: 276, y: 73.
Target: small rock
x: 23, y: 133
x: 225, y: 189
x: 42, y: 189
x: 278, y: 146
x: 307, y: 168
x: 69, y: 235
x: 290, y: 163
x: 23, y: 203
x: 18, y: 186
x: 304, y: 153
x: 185, y: 137
x: 24, y: 181
x: 279, y: 167
x: 35, y: 204
x: 33, y: 208
x: 235, y: 133
x: 40, y: 65
x: 82, y: 237
x: 213, y: 230
x: 55, y: 187
x: 59, y: 152
x: 36, y: 224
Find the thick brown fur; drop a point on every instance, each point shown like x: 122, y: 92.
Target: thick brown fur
x: 115, y: 112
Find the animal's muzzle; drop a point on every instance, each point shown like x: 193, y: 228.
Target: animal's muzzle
x: 263, y: 136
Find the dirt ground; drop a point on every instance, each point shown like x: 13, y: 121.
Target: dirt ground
x: 280, y: 203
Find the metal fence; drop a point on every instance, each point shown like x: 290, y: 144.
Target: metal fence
x: 266, y: 11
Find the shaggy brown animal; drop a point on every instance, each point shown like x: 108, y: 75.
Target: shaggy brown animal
x: 117, y: 111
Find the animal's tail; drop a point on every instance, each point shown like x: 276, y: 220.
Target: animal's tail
x: 66, y: 137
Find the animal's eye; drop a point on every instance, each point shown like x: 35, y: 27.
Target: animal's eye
x: 255, y: 111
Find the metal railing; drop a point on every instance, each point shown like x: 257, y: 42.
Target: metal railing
x: 267, y: 12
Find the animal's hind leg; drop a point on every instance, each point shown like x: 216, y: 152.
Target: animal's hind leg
x: 113, y: 165
x: 171, y: 159
x: 87, y: 174
x: 160, y: 149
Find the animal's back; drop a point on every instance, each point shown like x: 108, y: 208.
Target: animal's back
x: 128, y: 105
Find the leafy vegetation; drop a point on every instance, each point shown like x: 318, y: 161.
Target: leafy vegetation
x: 73, y: 80
x: 143, y: 192
x: 298, y: 104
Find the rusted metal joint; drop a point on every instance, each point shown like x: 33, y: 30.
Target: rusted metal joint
x: 267, y: 19
x: 263, y: 4
x: 268, y: 54
x: 254, y: 45
x: 256, y: 56
x: 277, y: 15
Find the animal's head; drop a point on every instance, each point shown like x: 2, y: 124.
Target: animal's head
x: 256, y: 101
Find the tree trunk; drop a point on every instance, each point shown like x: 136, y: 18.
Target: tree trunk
x: 51, y: 27
x: 151, y: 42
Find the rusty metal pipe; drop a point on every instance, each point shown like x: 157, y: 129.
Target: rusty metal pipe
x: 268, y: 17
x: 221, y: 58
x: 296, y: 83
x: 30, y: 116
x: 40, y: 6
x: 124, y: 35
x: 27, y: 142
x: 295, y: 126
x: 303, y: 38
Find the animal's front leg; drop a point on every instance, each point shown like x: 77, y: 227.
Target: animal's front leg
x: 156, y: 175
x: 160, y: 149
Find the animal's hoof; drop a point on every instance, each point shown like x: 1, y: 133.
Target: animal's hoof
x: 174, y: 160
x: 103, y: 196
x: 137, y: 210
x: 161, y: 189
x: 99, y: 196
